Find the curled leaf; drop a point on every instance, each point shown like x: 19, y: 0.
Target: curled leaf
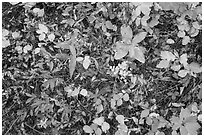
x: 105, y: 126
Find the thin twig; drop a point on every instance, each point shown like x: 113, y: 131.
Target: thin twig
x: 11, y: 126
x: 34, y: 129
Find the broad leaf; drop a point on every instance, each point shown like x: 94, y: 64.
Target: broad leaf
x: 42, y: 28
x: 192, y: 128
x: 51, y: 37
x: 105, y: 126
x: 183, y: 59
x: 139, y: 37
x: 120, y: 119
x: 195, y: 67
x: 126, y: 33
x: 83, y: 92
x: 144, y: 113
x: 137, y: 53
x: 99, y: 108
x: 99, y: 121
x: 167, y: 55
x: 186, y: 40
x: 120, y: 53
x: 87, y: 129
x: 176, y: 67
x: 163, y: 64
x: 126, y: 97
x: 183, y: 73
x: 170, y: 41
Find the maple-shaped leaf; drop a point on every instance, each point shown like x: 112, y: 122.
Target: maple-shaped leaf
x: 168, y: 55
x: 163, y: 64
x: 192, y: 128
x: 126, y: 33
x: 137, y: 53
x: 139, y: 37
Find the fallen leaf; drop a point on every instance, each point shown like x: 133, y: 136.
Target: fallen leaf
x: 183, y: 59
x: 43, y: 28
x: 167, y: 55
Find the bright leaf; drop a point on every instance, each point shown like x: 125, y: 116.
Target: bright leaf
x: 183, y: 73
x: 186, y: 40
x: 87, y: 129
x: 170, y: 41
x: 126, y: 33
x: 126, y: 97
x: 119, y: 102
x: 99, y: 108
x: 183, y: 59
x: 167, y: 55
x: 192, y: 128
x: 109, y: 25
x: 195, y: 67
x: 99, y: 121
x: 86, y: 62
x: 163, y: 64
x: 27, y: 48
x: 43, y: 28
x: 105, y: 126
x: 139, y: 37
x: 144, y: 113
x: 120, y: 119
x: 138, y: 54
x: 51, y: 37
x: 84, y: 92
x: 176, y: 67
x: 15, y: 35
x: 120, y: 54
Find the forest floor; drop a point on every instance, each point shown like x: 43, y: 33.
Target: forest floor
x: 102, y: 68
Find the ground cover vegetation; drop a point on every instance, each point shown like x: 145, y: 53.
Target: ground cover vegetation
x: 102, y: 68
